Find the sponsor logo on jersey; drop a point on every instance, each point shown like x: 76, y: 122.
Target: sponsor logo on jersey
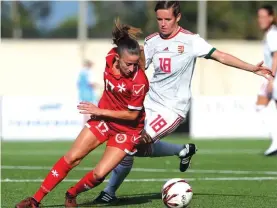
x: 135, y: 139
x: 120, y: 138
x: 180, y: 49
x: 166, y: 49
x: 138, y: 89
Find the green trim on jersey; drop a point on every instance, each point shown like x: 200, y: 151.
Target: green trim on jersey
x: 208, y: 56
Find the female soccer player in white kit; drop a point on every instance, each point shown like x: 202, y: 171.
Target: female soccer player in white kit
x: 173, y: 52
x: 267, y: 22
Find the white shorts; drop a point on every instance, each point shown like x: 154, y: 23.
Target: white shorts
x: 160, y: 121
x: 263, y: 89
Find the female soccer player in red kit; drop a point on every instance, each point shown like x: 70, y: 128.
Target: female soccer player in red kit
x: 118, y: 119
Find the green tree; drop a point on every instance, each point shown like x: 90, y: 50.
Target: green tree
x: 132, y: 13
x: 27, y: 13
x: 67, y: 29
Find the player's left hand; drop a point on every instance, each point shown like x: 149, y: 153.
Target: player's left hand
x: 88, y: 108
x: 263, y: 71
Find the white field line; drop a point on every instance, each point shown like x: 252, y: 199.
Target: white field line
x: 160, y: 170
x: 201, y: 152
x: 7, y: 180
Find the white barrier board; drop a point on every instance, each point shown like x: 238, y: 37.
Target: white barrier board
x: 228, y: 117
x: 40, y: 118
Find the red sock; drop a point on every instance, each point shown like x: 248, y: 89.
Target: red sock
x: 54, y: 177
x: 86, y: 183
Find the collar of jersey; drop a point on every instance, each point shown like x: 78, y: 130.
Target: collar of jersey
x: 179, y: 29
x: 110, y: 69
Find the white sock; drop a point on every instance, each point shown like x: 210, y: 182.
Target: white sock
x: 162, y: 149
x: 263, y: 115
x: 272, y: 125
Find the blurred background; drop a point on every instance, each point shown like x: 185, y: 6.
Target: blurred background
x: 47, y: 46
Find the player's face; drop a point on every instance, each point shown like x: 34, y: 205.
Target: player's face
x: 128, y: 63
x: 264, y: 19
x: 167, y: 22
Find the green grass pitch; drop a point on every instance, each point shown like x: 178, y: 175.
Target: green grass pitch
x: 223, y: 174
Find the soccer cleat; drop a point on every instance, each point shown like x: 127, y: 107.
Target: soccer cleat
x: 28, y: 203
x: 272, y: 150
x: 105, y: 198
x: 70, y: 201
x: 185, y: 156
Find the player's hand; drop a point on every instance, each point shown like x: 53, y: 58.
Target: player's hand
x: 144, y: 138
x: 89, y: 108
x: 263, y: 71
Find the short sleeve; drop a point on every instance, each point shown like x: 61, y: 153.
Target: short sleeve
x: 148, y: 53
x: 138, y: 95
x: 272, y: 41
x: 201, y: 48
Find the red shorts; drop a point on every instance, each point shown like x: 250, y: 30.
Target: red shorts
x: 124, y: 141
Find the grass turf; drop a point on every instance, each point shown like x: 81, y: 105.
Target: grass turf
x: 224, y: 173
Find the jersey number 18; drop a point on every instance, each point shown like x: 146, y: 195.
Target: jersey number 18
x: 165, y: 64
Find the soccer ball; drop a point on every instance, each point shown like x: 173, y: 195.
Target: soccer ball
x: 176, y: 193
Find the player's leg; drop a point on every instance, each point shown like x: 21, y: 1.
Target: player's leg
x: 118, y: 175
x: 158, y: 149
x: 84, y: 144
x: 114, y: 153
x: 157, y: 126
x: 272, y: 150
x: 263, y: 100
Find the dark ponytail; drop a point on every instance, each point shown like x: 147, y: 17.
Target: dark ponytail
x: 125, y: 38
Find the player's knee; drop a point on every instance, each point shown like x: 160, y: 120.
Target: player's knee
x: 99, y: 174
x: 72, y: 159
x: 144, y: 150
x: 145, y: 138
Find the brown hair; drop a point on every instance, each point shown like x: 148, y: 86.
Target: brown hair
x: 271, y: 12
x: 175, y: 5
x: 125, y: 38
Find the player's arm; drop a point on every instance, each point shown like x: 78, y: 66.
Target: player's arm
x: 89, y: 108
x: 134, y: 107
x: 230, y: 60
x: 148, y: 54
x: 129, y: 115
x: 203, y: 49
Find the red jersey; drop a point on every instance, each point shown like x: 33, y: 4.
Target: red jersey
x: 122, y: 94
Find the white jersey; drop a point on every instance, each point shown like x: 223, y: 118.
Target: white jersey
x: 274, y: 93
x: 270, y: 45
x: 174, y: 61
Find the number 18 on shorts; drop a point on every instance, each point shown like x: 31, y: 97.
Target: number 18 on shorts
x: 160, y: 123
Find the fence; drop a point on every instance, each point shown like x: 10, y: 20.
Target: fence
x: 42, y: 74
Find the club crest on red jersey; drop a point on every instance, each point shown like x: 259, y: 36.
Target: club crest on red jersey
x: 138, y: 89
x: 120, y: 138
